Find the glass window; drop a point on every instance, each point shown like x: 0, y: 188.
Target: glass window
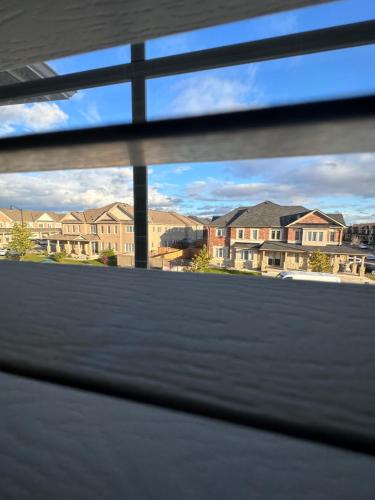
x: 240, y: 234
x: 332, y: 236
x: 275, y: 234
x: 109, y: 229
x: 130, y: 229
x: 220, y: 231
x: 220, y: 252
x: 255, y: 234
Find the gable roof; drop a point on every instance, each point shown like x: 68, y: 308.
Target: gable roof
x: 201, y: 220
x: 29, y: 215
x: 267, y: 214
x: 336, y: 218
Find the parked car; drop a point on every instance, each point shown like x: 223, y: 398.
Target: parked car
x: 363, y: 246
x: 308, y: 276
x: 3, y: 252
x: 370, y: 264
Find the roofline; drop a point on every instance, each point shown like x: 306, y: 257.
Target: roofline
x: 321, y: 212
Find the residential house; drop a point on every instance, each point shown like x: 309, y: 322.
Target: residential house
x: 269, y: 236
x: 111, y: 227
x: 41, y: 224
x: 365, y: 232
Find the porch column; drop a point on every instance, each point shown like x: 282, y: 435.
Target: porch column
x: 362, y: 268
x: 58, y: 248
x: 89, y: 249
x: 48, y: 247
x: 263, y: 264
x: 78, y: 248
x: 285, y: 264
x: 354, y: 267
x: 68, y: 247
x: 335, y: 264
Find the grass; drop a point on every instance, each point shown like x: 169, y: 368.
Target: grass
x: 212, y: 270
x: 82, y: 262
x: 370, y: 276
x: 33, y: 257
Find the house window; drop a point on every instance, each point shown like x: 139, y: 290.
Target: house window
x: 109, y: 229
x: 315, y: 235
x: 220, y: 231
x: 102, y: 228
x: 129, y: 247
x: 116, y: 229
x: 40, y: 225
x: 159, y: 229
x: 49, y: 225
x: 246, y: 255
x: 116, y: 247
x: 93, y: 228
x: 298, y: 235
x: 240, y: 234
x: 220, y: 252
x: 74, y: 229
x: 109, y: 246
x: 276, y: 234
x: 130, y: 229
x: 254, y: 234
x: 332, y: 236
x: 274, y: 259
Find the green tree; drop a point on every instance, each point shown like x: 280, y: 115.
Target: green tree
x: 320, y: 262
x: 200, y: 261
x: 21, y: 242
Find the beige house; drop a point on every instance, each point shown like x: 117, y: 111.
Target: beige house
x: 269, y: 237
x: 86, y: 234
x: 41, y: 224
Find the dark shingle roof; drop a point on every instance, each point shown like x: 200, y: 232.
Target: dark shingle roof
x: 275, y: 246
x: 226, y: 219
x: 265, y: 214
x: 338, y: 217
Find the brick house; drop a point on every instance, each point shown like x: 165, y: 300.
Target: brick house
x: 365, y: 232
x: 269, y: 236
x: 111, y: 227
x: 41, y: 224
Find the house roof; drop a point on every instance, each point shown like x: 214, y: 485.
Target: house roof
x: 266, y: 214
x: 201, y: 220
x: 29, y: 215
x: 275, y: 246
x: 155, y: 216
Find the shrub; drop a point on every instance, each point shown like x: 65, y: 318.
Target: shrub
x: 200, y: 261
x: 320, y: 262
x: 108, y: 257
x: 58, y: 256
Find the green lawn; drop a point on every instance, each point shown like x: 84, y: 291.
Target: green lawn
x: 370, y: 276
x: 37, y: 257
x: 212, y: 270
x: 82, y: 262
x: 33, y: 257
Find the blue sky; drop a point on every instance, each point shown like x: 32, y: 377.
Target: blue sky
x: 345, y: 183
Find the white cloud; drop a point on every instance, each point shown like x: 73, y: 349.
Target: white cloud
x: 211, y: 93
x: 91, y: 113
x: 181, y: 169
x: 31, y: 117
x: 74, y: 190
